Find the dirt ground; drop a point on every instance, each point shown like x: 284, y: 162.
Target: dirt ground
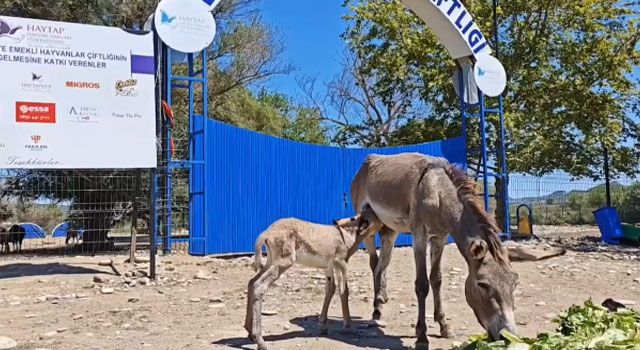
x: 199, y: 303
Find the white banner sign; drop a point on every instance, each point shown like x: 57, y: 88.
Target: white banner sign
x: 75, y: 96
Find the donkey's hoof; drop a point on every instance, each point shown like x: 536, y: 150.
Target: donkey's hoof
x: 376, y: 315
x: 324, y: 330
x: 445, y: 332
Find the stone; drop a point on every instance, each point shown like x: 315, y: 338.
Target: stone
x: 100, y: 279
x: 637, y: 280
x: 81, y: 296
x: 143, y: 281
x: 201, y: 275
x: 377, y: 323
x: 62, y: 329
x: 195, y: 300
x: 77, y: 317
x: 216, y: 306
x: 7, y: 343
x: 48, y: 335
x: 541, y: 303
x: 133, y: 300
x: 106, y: 290
x: 269, y: 312
x: 105, y: 262
x: 215, y: 300
x: 550, y: 316
x: 142, y: 259
x: 522, y: 323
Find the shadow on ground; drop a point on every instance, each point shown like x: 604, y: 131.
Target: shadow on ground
x: 361, y: 335
x: 30, y: 270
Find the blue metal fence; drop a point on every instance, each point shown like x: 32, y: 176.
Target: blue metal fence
x: 251, y: 180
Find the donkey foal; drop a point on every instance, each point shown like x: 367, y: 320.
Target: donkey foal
x: 320, y: 246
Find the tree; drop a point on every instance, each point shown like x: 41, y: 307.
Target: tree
x: 571, y: 85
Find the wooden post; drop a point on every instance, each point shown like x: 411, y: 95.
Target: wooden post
x: 134, y: 216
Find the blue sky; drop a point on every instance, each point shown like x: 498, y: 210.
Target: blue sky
x: 311, y: 31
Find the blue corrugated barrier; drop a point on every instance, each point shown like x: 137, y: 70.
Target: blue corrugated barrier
x: 252, y: 180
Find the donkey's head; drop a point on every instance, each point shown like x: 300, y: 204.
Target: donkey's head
x: 489, y: 287
x: 363, y: 224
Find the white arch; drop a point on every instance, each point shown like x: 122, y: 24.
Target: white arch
x: 453, y: 25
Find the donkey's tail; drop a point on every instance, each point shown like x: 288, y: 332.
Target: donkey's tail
x: 258, y: 263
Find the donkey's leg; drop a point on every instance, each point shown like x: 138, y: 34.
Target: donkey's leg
x: 388, y: 239
x: 437, y: 248
x: 262, y: 284
x: 340, y: 270
x: 422, y: 285
x: 248, y: 321
x: 330, y: 290
x: 370, y: 244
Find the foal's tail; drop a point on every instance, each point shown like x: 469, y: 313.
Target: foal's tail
x: 258, y: 263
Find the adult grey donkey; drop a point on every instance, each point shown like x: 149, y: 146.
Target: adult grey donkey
x: 430, y: 197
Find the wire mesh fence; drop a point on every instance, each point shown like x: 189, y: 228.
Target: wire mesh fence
x: 73, y: 211
x: 560, y: 200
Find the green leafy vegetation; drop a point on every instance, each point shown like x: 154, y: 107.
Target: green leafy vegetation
x: 581, y: 327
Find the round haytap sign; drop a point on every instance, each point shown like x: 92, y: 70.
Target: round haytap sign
x: 490, y: 75
x: 185, y: 25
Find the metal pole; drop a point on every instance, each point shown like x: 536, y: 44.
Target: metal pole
x: 496, y: 37
x: 606, y: 176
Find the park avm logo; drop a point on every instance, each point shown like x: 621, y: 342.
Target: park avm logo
x: 168, y: 19
x: 8, y: 31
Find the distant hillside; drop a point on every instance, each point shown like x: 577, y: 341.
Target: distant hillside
x: 563, y: 196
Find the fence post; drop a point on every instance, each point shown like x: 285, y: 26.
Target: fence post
x: 134, y: 218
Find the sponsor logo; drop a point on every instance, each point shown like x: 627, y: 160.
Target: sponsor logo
x: 167, y: 19
x: 35, y: 112
x: 36, y: 144
x: 82, y: 85
x: 127, y: 88
x: 11, y: 32
x: 126, y: 115
x: 47, y: 36
x: 83, y: 114
x: 36, y: 83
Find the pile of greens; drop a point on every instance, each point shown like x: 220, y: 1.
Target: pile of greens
x: 581, y: 327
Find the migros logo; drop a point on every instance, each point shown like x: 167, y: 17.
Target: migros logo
x: 82, y: 85
x: 36, y: 139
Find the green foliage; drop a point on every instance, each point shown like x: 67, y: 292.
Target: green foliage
x: 571, y: 90
x: 581, y: 327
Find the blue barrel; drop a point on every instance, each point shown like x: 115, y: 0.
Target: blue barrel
x: 609, y: 223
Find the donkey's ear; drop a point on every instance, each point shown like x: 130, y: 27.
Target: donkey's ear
x: 478, y: 249
x: 335, y: 222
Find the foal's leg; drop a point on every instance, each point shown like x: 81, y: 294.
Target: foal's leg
x: 422, y: 285
x: 262, y: 284
x: 388, y: 239
x: 340, y: 270
x: 248, y: 321
x: 437, y: 248
x: 330, y: 290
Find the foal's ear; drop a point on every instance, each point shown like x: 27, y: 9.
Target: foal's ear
x: 478, y: 249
